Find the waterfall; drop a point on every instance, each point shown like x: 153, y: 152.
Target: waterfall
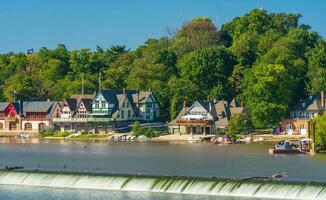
x: 180, y: 185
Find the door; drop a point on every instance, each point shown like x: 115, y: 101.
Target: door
x: 289, y: 129
x: 28, y: 127
x: 41, y: 127
x: 303, y: 130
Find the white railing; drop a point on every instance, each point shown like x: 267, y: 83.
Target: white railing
x: 69, y: 119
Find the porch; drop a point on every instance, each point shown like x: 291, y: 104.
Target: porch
x: 195, y: 126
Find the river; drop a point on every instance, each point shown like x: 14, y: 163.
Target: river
x: 151, y: 158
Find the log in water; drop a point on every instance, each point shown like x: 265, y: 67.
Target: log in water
x: 166, y: 184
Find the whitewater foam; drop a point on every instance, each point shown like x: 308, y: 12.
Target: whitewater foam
x: 179, y: 185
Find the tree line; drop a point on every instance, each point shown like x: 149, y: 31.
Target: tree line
x: 268, y: 61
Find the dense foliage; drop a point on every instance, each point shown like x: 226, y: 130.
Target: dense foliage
x: 320, y: 122
x: 267, y: 60
x: 239, y: 123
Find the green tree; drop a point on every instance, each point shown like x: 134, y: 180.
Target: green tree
x: 267, y: 92
x: 321, y: 130
x: 239, y: 123
x: 317, y: 68
x: 197, y: 34
x: 208, y: 69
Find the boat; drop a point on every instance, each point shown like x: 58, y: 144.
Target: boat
x: 193, y: 139
x: 223, y: 140
x: 285, y: 147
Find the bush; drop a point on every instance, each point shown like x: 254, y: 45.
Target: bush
x: 147, y: 131
x: 51, y: 133
x: 136, y: 130
x: 239, y: 123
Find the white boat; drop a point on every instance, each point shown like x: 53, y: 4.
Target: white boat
x: 192, y: 139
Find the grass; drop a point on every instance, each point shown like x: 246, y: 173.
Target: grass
x: 51, y: 133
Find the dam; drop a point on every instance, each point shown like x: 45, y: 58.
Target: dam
x: 167, y: 184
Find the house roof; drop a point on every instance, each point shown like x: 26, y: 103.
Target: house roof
x: 72, y: 104
x: 37, y: 106
x: 3, y: 105
x: 179, y: 116
x: 220, y: 110
x: 82, y: 96
x: 117, y: 97
x: 87, y: 103
x: 312, y: 103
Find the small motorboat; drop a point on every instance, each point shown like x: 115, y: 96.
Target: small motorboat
x: 285, y: 147
x: 193, y: 139
x: 223, y: 140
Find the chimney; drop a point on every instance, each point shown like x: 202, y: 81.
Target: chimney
x: 322, y: 99
x: 208, y: 98
x: 124, y: 90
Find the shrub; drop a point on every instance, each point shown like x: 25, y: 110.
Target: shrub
x: 239, y: 123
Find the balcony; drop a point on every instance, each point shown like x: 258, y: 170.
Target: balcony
x: 11, y: 118
x: 72, y: 120
x: 99, y: 119
x: 194, y: 122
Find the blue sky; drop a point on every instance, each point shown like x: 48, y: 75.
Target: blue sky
x: 78, y: 24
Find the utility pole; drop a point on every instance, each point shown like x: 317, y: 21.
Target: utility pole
x: 99, y: 81
x: 83, y: 84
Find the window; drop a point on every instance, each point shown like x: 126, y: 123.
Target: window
x: 103, y: 104
x: 28, y: 127
x: 289, y: 127
x: 300, y: 115
x: 97, y: 104
x: 124, y: 104
x: 122, y: 114
x: 148, y: 110
x: 307, y: 115
x: 148, y: 117
x: 129, y: 113
x: 127, y: 104
x: 295, y: 115
x: 312, y: 115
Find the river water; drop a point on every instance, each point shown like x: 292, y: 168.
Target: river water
x: 159, y: 158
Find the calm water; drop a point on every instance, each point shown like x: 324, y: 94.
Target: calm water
x: 154, y: 159
x: 34, y: 193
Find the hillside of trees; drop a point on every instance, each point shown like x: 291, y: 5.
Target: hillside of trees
x: 266, y: 60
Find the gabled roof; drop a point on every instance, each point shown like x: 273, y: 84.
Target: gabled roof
x: 220, y: 110
x: 87, y: 103
x: 141, y: 97
x: 37, y: 106
x: 3, y: 106
x: 72, y: 104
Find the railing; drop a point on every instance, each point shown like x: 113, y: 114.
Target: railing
x: 69, y: 119
x: 99, y: 119
x: 10, y: 118
x: 194, y: 122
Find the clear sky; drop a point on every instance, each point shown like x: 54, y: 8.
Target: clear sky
x: 78, y: 24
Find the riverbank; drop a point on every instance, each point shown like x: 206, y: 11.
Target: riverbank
x: 160, y: 138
